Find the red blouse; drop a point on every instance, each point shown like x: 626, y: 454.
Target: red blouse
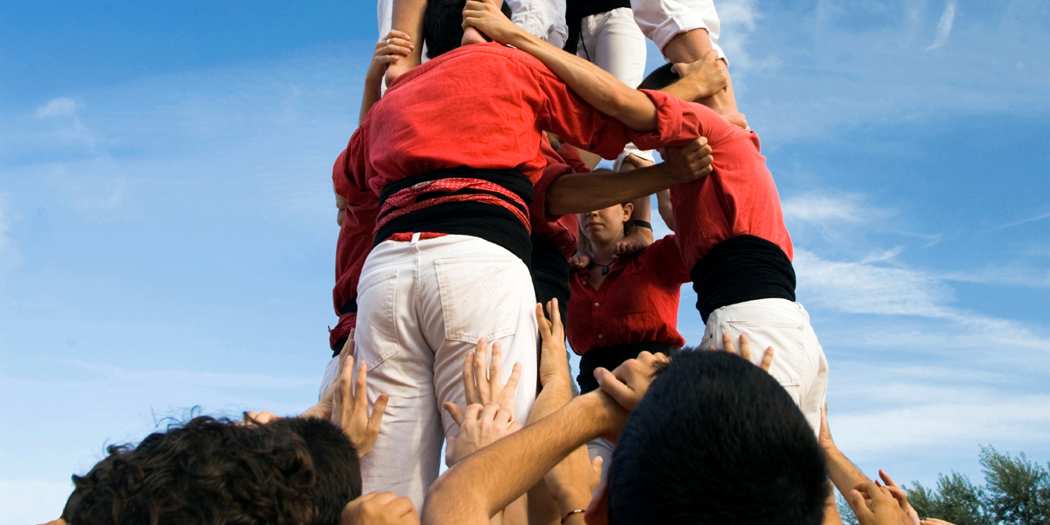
x: 636, y: 303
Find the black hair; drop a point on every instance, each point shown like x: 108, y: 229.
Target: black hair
x: 716, y: 440
x: 660, y: 78
x: 443, y: 25
x: 217, y: 471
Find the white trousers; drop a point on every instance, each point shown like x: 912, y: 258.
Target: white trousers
x: 542, y: 18
x: 422, y: 305
x: 613, y: 42
x: 662, y: 20
x: 798, y: 363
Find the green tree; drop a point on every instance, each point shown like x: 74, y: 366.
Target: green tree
x: 1018, y: 490
x: 955, y: 499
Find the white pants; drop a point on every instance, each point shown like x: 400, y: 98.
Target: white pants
x: 798, y: 362
x: 613, y: 42
x: 542, y: 18
x: 662, y: 20
x: 421, y: 306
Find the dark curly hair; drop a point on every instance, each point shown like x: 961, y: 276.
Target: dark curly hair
x: 216, y: 471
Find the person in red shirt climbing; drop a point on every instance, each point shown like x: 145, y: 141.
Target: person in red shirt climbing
x: 729, y: 226
x: 451, y: 154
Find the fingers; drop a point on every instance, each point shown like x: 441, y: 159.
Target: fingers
x: 375, y: 419
x: 470, y: 386
x: 885, y: 476
x: 511, y: 387
x: 360, y: 399
x: 767, y: 359
x: 727, y: 342
x: 745, y: 348
x: 556, y: 325
x: 616, y: 389
x: 494, y: 362
x: 481, y: 384
x: 543, y: 323
x: 860, y: 506
x: 454, y: 411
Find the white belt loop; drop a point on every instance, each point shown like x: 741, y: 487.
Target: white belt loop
x: 415, y: 237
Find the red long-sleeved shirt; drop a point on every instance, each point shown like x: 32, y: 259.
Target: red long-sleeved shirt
x: 636, y: 303
x: 738, y: 198
x: 485, y: 106
x: 351, y: 249
x: 562, y: 230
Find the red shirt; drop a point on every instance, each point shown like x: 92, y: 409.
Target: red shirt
x: 351, y: 249
x: 636, y: 303
x: 485, y: 106
x: 563, y: 230
x: 738, y: 198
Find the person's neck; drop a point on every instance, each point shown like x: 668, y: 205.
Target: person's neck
x: 604, y: 253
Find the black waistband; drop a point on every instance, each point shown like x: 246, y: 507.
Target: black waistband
x: 744, y: 268
x: 610, y: 357
x: 486, y: 221
x: 576, y: 11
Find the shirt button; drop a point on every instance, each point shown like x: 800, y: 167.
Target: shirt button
x: 596, y: 305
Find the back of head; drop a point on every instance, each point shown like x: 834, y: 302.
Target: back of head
x: 443, y: 25
x: 216, y: 471
x: 716, y: 440
x: 660, y: 78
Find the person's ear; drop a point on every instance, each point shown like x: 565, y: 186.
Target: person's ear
x: 628, y: 211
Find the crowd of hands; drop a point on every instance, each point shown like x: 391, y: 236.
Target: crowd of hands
x: 487, y: 417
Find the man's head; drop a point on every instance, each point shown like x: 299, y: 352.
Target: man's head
x: 443, y: 25
x: 216, y: 471
x: 716, y: 440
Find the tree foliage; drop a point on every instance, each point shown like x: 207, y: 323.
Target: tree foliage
x: 1016, y: 491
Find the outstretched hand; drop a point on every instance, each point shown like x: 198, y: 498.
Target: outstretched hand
x: 479, y: 427
x: 744, y: 350
x: 875, y: 505
x: 554, y: 363
x: 901, y: 496
x: 483, y: 386
x: 350, y: 407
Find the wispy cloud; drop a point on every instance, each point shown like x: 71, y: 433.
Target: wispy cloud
x: 825, y: 207
x: 944, y: 26
x: 1021, y: 222
x: 57, y: 108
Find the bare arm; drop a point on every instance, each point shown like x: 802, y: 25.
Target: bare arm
x: 596, y: 86
x: 395, y: 46
x: 491, y: 478
x: 843, y: 473
x: 581, y: 193
x: 407, y: 17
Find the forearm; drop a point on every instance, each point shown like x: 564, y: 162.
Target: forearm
x: 597, y: 87
x: 408, y: 18
x: 584, y: 192
x: 831, y: 508
x: 843, y: 473
x: 372, y: 93
x: 492, y: 477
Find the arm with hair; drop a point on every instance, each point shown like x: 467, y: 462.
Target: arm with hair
x: 583, y: 192
x: 596, y: 86
x: 490, y: 479
x: 407, y: 17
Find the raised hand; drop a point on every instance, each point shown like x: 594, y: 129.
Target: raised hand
x: 350, y: 407
x: 901, y: 496
x: 554, y: 363
x: 479, y: 426
x: 745, y: 350
x: 484, y: 387
x: 874, y: 505
x: 690, y: 161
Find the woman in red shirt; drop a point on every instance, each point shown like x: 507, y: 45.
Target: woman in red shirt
x: 622, y: 304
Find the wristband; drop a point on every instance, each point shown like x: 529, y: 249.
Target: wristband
x: 641, y: 224
x: 572, y: 513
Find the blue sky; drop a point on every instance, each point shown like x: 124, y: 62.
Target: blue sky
x: 167, y: 227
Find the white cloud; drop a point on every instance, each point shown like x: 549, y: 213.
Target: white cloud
x: 944, y: 26
x: 1020, y: 222
x: 57, y: 108
x: 827, y: 207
